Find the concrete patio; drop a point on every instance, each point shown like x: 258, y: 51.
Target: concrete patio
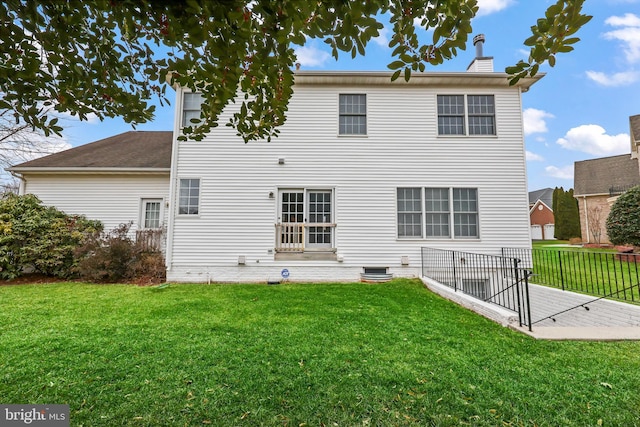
x: 604, y: 319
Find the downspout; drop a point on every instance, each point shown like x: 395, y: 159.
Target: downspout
x: 586, y: 218
x: 23, y: 182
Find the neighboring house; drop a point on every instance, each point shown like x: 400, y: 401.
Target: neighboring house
x: 541, y: 215
x: 599, y: 182
x: 365, y: 172
x: 121, y: 179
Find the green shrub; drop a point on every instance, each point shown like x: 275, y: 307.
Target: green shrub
x: 39, y: 238
x: 623, y: 222
x: 114, y: 256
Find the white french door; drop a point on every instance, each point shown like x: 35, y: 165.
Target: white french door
x: 301, y: 218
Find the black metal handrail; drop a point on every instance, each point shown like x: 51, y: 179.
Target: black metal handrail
x: 495, y: 279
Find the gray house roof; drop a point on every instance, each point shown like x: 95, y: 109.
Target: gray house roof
x: 545, y: 195
x: 606, y: 175
x: 134, y: 150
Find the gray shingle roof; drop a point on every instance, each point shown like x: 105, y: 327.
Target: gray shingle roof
x: 598, y: 176
x: 134, y: 149
x: 545, y: 195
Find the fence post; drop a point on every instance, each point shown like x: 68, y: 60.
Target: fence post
x: 515, y: 271
x: 455, y: 277
x: 528, y: 304
x: 561, y: 269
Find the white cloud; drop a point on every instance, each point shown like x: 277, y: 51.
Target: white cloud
x: 311, y: 56
x: 593, y: 139
x: 487, y: 7
x: 624, y: 78
x: 533, y: 157
x: 565, y: 172
x: 629, y: 34
x: 534, y: 121
x: 383, y: 39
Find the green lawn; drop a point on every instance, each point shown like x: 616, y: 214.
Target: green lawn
x: 593, y: 271
x: 298, y: 355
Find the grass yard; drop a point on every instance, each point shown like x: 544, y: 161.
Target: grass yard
x: 298, y: 355
x: 593, y: 271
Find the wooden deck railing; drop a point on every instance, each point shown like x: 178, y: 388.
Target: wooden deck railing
x: 151, y: 239
x: 291, y: 236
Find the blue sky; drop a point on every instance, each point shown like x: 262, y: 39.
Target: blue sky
x: 580, y: 110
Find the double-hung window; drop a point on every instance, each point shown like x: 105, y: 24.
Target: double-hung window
x: 466, y: 115
x: 189, y: 196
x: 353, y: 114
x: 191, y: 107
x: 409, y: 202
x: 446, y: 213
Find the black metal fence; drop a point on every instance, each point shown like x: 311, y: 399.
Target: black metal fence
x: 496, y: 279
x: 603, y: 274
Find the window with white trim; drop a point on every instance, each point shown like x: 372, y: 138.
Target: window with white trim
x: 409, y: 202
x: 446, y: 213
x: 465, y: 213
x: 191, y: 107
x: 151, y: 213
x: 189, y: 196
x: 466, y: 115
x: 353, y: 114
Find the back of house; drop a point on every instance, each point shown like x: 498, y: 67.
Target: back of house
x: 364, y: 173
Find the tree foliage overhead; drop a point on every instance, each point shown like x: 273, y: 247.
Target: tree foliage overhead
x: 111, y: 57
x: 623, y: 222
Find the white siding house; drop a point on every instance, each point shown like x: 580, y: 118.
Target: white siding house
x: 117, y: 180
x: 364, y: 173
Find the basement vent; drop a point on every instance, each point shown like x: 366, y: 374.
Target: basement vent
x: 375, y: 274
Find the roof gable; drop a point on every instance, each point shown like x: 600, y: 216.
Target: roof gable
x: 129, y: 150
x: 545, y: 194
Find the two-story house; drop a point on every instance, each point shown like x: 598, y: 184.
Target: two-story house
x: 364, y: 173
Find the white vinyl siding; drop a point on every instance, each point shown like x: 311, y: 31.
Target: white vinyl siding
x: 240, y: 204
x: 113, y: 199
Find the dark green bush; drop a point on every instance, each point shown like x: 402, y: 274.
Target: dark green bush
x: 623, y: 222
x: 112, y: 257
x: 38, y: 238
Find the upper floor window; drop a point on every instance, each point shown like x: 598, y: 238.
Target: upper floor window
x: 189, y: 196
x: 353, y: 114
x: 466, y: 115
x: 191, y: 106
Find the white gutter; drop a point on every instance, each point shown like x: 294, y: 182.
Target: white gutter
x: 76, y: 170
